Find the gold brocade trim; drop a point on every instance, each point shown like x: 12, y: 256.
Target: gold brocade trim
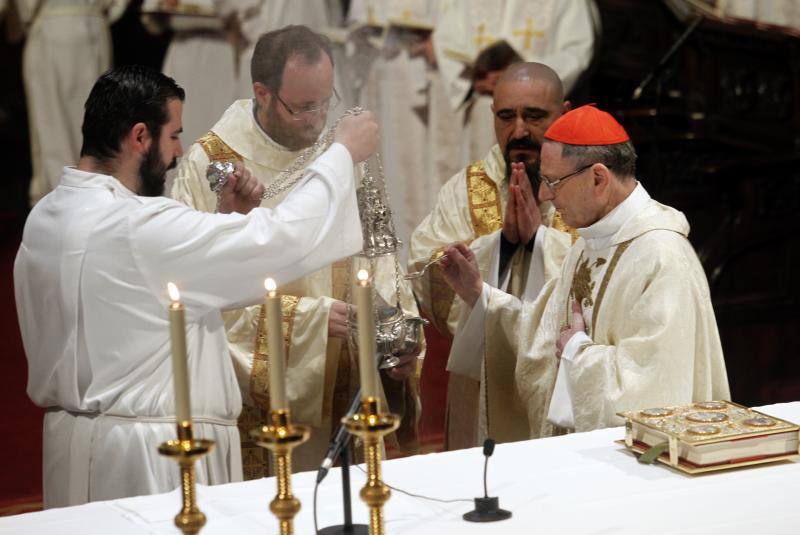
x: 259, y: 373
x: 558, y: 224
x: 485, y: 208
x: 606, y: 277
x: 255, y: 461
x: 216, y: 149
x: 341, y: 382
x: 486, y: 216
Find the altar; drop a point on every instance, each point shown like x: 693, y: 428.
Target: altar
x: 575, y: 484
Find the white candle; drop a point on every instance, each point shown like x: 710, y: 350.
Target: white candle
x: 180, y: 374
x: 366, y: 336
x: 277, y: 365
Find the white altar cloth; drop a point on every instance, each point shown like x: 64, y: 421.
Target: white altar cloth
x: 576, y: 484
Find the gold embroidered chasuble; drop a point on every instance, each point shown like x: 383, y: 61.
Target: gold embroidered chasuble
x: 469, y: 208
x: 652, y: 336
x: 322, y: 375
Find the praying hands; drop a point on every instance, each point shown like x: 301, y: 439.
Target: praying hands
x: 522, y: 217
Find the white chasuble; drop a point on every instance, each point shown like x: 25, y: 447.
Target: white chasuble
x: 469, y: 208
x: 651, y: 338
x: 322, y: 374
x: 90, y: 284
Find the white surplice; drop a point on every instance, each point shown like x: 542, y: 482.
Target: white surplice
x: 90, y: 280
x: 651, y: 337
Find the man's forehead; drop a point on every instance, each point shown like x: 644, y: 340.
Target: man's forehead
x: 298, y: 66
x: 307, y: 81
x: 524, y: 94
x: 175, y: 110
x: 550, y: 155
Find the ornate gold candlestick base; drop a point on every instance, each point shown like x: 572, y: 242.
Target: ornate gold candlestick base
x: 186, y: 450
x: 280, y: 438
x: 371, y: 425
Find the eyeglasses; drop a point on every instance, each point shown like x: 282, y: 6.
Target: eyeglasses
x: 312, y: 110
x: 553, y: 183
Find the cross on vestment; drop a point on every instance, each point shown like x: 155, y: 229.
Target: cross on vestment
x: 481, y: 40
x: 528, y: 33
x: 371, y: 19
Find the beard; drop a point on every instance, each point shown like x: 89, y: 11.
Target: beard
x: 152, y: 172
x: 294, y: 135
x: 531, y: 166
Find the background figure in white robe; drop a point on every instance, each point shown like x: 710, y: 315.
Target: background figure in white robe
x: 90, y: 280
x: 474, y: 207
x: 293, y: 71
x: 203, y: 54
x: 475, y: 40
x: 68, y: 45
x: 395, y: 72
x: 785, y: 13
x: 628, y: 324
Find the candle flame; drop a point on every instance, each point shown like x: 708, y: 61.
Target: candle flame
x: 270, y: 285
x: 363, y: 275
x: 173, y: 292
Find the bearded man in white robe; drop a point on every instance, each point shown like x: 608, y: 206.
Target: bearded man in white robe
x: 494, y: 209
x: 90, y: 285
x: 293, y: 87
x: 628, y: 323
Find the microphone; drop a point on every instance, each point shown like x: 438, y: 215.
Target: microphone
x: 487, y: 509
x: 488, y: 449
x: 338, y: 441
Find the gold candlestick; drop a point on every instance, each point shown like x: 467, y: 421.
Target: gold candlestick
x: 371, y: 425
x: 281, y: 437
x: 186, y: 450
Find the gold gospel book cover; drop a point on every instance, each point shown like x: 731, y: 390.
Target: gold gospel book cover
x: 710, y: 435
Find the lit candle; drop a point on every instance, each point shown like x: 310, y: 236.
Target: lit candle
x: 366, y: 335
x: 277, y: 366
x: 180, y: 374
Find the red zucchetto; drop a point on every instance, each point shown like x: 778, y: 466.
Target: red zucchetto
x: 587, y: 125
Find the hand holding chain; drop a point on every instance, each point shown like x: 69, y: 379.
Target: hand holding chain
x: 218, y: 172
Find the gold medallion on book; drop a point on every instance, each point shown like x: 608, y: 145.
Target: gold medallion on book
x: 708, y: 436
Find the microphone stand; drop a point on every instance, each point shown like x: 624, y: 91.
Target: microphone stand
x: 348, y: 528
x: 487, y: 509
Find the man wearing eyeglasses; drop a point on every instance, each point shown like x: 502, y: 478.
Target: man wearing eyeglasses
x: 628, y: 322
x: 293, y: 90
x: 492, y: 205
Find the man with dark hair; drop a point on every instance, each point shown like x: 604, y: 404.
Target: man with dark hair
x: 491, y: 204
x: 292, y: 71
x: 90, y: 280
x: 628, y: 322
